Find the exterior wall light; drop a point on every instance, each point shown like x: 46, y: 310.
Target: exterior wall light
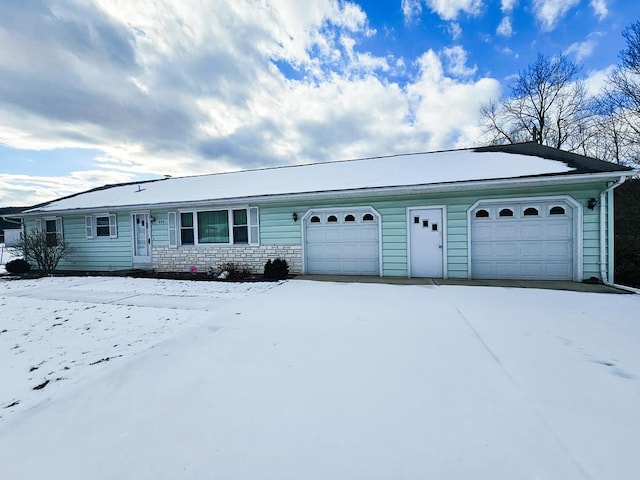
x: 591, y: 203
x: 294, y: 215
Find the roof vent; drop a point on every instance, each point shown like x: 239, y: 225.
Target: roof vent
x: 139, y: 189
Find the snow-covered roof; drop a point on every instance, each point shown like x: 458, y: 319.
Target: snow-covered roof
x: 418, y: 169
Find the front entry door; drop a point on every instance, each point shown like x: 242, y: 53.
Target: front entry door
x: 141, y: 238
x: 426, y: 246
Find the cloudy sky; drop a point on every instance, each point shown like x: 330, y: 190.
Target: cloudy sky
x: 102, y: 91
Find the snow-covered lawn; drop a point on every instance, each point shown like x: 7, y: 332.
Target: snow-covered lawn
x: 152, y: 379
x: 6, y: 255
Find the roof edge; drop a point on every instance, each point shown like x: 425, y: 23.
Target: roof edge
x: 476, y: 185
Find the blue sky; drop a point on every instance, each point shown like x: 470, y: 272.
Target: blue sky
x: 98, y: 91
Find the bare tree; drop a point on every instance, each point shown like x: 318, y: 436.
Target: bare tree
x: 44, y: 250
x: 618, y: 107
x: 548, y: 104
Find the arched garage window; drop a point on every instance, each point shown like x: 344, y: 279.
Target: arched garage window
x: 506, y: 212
x: 482, y: 213
x: 315, y: 219
x: 332, y: 219
x: 367, y: 217
x: 531, y: 212
x: 557, y: 210
x: 349, y: 218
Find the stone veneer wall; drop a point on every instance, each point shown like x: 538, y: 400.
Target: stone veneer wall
x: 168, y: 259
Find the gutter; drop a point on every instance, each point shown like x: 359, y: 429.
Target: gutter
x: 10, y: 220
x: 607, y: 240
x: 354, y: 193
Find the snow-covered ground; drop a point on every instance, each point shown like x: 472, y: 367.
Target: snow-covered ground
x: 6, y: 255
x: 152, y: 379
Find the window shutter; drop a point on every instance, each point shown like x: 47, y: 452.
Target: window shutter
x: 59, y: 232
x: 113, y: 226
x: 254, y: 227
x: 38, y: 225
x: 173, y: 229
x: 88, y: 225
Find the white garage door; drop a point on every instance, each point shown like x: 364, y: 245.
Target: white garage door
x: 532, y: 240
x: 342, y: 242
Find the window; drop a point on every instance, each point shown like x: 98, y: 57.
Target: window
x: 349, y: 218
x: 52, y: 229
x: 213, y: 227
x: 51, y: 232
x: 531, y: 212
x: 332, y: 219
x: 186, y: 229
x: 101, y: 225
x: 240, y: 231
x: 482, y: 213
x: 367, y: 217
x: 234, y: 226
x: 506, y: 212
x: 557, y: 211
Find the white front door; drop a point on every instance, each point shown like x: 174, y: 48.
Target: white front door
x: 141, y: 229
x: 425, y: 239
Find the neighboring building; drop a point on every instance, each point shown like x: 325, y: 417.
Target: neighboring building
x: 519, y: 211
x: 10, y: 227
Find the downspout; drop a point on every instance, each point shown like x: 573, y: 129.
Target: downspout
x: 603, y: 232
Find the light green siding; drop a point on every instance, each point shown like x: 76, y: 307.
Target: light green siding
x: 98, y: 254
x: 278, y: 228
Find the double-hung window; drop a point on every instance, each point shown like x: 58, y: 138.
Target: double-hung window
x: 236, y: 226
x: 51, y: 228
x: 102, y: 225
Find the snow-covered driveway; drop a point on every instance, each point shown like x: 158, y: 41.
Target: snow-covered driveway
x: 310, y: 380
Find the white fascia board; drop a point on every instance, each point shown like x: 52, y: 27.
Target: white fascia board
x: 473, y: 185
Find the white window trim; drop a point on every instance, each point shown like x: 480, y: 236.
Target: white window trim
x: 253, y: 229
x: 91, y: 225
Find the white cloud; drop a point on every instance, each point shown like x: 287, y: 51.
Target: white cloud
x: 447, y: 108
x: 597, y: 80
x: 456, y: 62
x: 507, y: 6
x: 197, y: 86
x: 581, y: 50
x: 549, y: 12
x: 450, y: 9
x: 455, y: 30
x: 446, y: 9
x: 505, y: 29
x: 411, y: 9
x: 600, y: 9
